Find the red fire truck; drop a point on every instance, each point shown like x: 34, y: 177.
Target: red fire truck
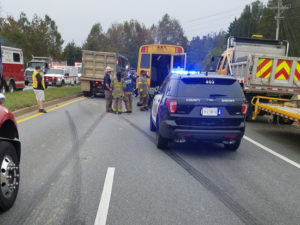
x: 11, y: 69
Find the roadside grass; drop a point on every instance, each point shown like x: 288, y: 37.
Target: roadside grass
x: 21, y: 99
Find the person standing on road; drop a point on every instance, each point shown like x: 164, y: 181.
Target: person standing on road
x: 108, y: 89
x: 118, y: 93
x: 142, y: 84
x: 38, y: 85
x: 129, y: 88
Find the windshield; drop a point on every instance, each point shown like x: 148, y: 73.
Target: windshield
x: 56, y: 71
x: 35, y: 64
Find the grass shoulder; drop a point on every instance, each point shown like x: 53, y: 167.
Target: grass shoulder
x: 22, y: 99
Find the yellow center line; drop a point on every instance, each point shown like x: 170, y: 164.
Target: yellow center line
x: 49, y: 110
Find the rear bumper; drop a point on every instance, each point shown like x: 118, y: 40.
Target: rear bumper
x: 169, y: 130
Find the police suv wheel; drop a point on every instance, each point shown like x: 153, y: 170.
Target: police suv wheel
x: 9, y: 175
x: 152, y: 126
x: 161, y: 143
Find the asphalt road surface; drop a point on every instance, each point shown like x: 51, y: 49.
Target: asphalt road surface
x: 81, y: 165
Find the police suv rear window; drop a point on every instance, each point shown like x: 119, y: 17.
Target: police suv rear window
x: 208, y: 87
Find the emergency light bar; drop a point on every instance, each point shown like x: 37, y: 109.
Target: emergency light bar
x: 186, y: 72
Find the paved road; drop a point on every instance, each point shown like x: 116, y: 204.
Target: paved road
x: 67, y: 153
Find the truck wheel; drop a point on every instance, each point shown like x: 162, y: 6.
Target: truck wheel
x: 11, y: 87
x: 283, y: 121
x: 233, y: 147
x: 9, y: 175
x: 87, y: 94
x: 3, y: 89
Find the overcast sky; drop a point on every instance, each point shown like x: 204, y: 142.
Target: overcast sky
x: 75, y: 18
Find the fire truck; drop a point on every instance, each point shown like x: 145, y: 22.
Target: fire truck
x: 11, y: 69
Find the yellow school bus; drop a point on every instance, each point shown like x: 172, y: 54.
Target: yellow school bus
x: 158, y: 60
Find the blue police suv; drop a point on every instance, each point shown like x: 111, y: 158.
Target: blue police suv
x: 199, y: 107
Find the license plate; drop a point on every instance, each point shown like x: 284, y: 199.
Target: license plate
x: 209, y: 111
x: 50, y: 83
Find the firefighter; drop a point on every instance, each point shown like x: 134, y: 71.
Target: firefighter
x: 129, y: 88
x: 142, y: 84
x: 118, y: 87
x: 108, y: 89
x: 38, y: 85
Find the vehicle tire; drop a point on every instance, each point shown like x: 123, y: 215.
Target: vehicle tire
x: 285, y: 121
x: 11, y: 87
x: 152, y: 126
x: 250, y: 113
x: 87, y: 94
x: 3, y: 89
x: 161, y: 143
x: 10, y: 175
x: 233, y: 147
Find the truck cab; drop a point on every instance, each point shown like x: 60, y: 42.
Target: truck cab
x: 239, y: 48
x: 43, y: 62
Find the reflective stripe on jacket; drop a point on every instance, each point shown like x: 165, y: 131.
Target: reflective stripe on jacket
x: 34, y: 80
x: 118, y: 88
x: 142, y: 85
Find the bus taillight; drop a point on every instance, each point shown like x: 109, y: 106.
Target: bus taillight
x: 144, y: 49
x: 178, y: 50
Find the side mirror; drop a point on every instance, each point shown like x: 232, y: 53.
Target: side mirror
x: 2, y: 99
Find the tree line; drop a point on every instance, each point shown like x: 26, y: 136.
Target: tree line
x: 40, y: 36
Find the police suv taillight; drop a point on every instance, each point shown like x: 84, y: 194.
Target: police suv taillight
x: 172, y: 105
x: 245, y: 107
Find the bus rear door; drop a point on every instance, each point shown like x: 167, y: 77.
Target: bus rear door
x: 178, y: 61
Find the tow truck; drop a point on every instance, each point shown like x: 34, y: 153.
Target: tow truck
x: 267, y: 75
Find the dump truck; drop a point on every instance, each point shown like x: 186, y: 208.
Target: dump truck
x: 93, y: 70
x: 263, y: 69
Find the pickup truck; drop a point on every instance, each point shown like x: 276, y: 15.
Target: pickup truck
x: 10, y: 154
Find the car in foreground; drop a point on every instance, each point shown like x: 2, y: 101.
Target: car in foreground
x: 10, y: 153
x: 199, y: 107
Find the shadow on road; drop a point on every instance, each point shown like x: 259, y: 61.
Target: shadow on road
x: 201, y: 150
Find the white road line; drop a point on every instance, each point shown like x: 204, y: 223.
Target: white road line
x: 105, y: 197
x: 273, y: 152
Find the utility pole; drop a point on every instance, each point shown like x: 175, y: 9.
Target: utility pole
x: 280, y: 8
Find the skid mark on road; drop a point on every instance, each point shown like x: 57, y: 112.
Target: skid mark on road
x: 73, y: 209
x: 231, y: 204
x: 209, y: 185
x: 44, y: 189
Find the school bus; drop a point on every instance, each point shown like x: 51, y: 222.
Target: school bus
x: 158, y: 60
